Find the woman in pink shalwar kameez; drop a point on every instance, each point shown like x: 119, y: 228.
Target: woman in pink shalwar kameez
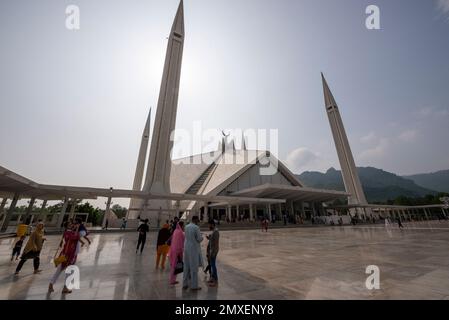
x: 176, y: 250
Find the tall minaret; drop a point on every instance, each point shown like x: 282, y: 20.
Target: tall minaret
x: 348, y: 169
x: 159, y: 163
x: 138, y: 176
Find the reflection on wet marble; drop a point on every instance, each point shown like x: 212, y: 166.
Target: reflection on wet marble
x: 299, y: 263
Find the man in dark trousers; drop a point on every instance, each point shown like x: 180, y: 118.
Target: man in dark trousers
x: 400, y: 223
x: 212, y: 252
x: 142, y: 229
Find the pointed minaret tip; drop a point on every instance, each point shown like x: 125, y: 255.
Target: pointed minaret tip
x: 329, y: 100
x: 322, y: 77
x: 178, y: 23
x: 147, y: 126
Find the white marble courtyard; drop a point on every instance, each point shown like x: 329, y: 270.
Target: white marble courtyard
x: 295, y: 263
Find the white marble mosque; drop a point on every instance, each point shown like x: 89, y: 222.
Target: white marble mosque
x: 329, y: 261
x: 228, y: 186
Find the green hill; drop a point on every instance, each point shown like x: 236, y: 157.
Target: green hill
x: 379, y: 185
x: 438, y: 181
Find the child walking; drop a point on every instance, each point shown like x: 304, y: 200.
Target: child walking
x: 17, y: 248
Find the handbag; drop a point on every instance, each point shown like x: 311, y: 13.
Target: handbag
x: 59, y: 260
x: 179, y: 266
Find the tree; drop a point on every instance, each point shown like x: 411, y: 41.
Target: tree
x: 119, y: 211
x: 340, y: 202
x: 418, y: 201
x: 403, y: 201
x: 55, y: 208
x: 95, y: 214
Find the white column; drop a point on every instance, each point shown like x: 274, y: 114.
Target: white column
x: 269, y: 212
x: 177, y: 206
x: 72, y: 209
x: 206, y: 211
x: 2, y: 207
x: 425, y: 213
x: 41, y: 214
x: 62, y: 213
x: 251, y: 212
x: 228, y: 212
x: 10, y: 211
x: 54, y: 218
x: 237, y: 210
x: 106, y: 212
x: 29, y: 209
x: 312, y: 205
x: 303, y: 212
x: 3, y: 204
x: 292, y: 208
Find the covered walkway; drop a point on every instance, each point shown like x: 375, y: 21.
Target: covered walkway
x: 15, y: 187
x: 408, y: 213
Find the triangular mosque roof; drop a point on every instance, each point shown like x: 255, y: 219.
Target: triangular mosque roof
x: 228, y: 167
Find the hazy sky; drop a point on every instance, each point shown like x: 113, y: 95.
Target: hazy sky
x: 73, y: 103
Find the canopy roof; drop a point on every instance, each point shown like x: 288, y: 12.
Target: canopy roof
x: 292, y: 193
x: 11, y: 183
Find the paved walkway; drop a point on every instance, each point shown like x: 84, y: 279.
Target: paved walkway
x: 299, y: 263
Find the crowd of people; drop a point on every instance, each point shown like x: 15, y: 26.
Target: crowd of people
x: 179, y: 242
x: 183, y: 245
x: 66, y: 253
